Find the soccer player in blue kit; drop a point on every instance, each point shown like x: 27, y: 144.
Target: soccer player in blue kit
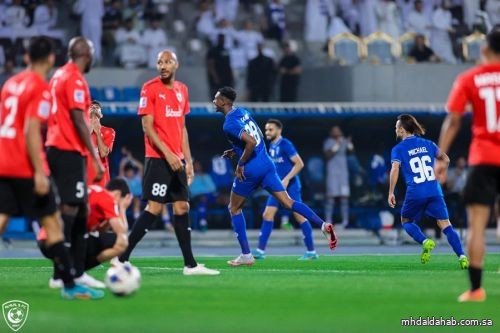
x: 288, y: 165
x: 416, y: 157
x: 255, y: 168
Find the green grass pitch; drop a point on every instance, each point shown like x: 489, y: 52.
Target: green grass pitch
x: 361, y: 293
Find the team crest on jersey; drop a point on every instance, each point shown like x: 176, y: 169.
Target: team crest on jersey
x: 179, y: 96
x: 143, y: 102
x: 79, y: 96
x: 44, y: 109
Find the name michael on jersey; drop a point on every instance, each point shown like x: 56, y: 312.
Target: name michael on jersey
x: 418, y: 150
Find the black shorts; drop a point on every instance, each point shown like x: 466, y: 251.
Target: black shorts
x: 161, y: 184
x: 70, y: 175
x: 95, y: 245
x: 482, y: 185
x: 17, y: 198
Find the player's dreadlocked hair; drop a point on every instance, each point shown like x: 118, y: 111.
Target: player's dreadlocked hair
x: 410, y: 124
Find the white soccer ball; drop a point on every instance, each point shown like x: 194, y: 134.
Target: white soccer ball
x: 123, y: 280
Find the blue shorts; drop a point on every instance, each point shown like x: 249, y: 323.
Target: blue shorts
x: 256, y: 176
x: 434, y: 207
x: 294, y: 191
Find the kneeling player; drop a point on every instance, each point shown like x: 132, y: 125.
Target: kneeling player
x: 107, y: 211
x: 25, y: 187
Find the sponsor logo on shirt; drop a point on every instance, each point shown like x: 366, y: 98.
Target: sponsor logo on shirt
x: 143, y: 102
x: 179, y: 96
x: 169, y: 112
x: 79, y: 96
x: 44, y: 109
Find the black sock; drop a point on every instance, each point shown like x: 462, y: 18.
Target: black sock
x: 79, y: 245
x: 140, y: 228
x: 91, y: 262
x: 475, y: 277
x: 62, y: 263
x: 68, y: 227
x: 183, y: 234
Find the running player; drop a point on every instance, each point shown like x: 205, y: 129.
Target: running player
x: 68, y: 142
x: 168, y: 168
x: 415, y: 156
x: 254, y: 169
x: 25, y: 187
x: 288, y: 165
x: 103, y: 138
x: 480, y: 87
x: 106, y: 225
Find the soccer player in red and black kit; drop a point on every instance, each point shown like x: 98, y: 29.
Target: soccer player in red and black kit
x: 103, y: 138
x: 480, y: 87
x: 68, y: 142
x: 106, y: 224
x: 168, y: 167
x: 25, y: 187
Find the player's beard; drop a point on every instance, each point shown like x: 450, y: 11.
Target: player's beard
x: 87, y: 67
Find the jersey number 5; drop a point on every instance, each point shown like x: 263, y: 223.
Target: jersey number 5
x: 252, y: 129
x: 491, y: 97
x: 420, y: 166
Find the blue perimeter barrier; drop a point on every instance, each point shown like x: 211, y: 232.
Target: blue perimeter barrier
x: 327, y: 110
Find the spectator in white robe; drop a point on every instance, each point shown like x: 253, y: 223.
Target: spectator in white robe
x: 318, y: 15
x: 368, y: 17
x: 154, y: 40
x: 92, y: 12
x: 418, y: 22
x: 440, y: 38
x: 388, y: 18
x: 226, y: 9
x: 248, y: 39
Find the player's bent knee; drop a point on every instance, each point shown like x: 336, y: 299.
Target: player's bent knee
x: 443, y: 224
x: 181, y: 207
x: 154, y: 207
x: 234, y: 210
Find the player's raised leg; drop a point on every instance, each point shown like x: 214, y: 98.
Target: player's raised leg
x: 304, y: 210
x: 236, y: 203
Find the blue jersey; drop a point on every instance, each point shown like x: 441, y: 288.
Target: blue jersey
x: 281, y: 154
x: 237, y: 121
x: 259, y: 170
x: 416, y: 156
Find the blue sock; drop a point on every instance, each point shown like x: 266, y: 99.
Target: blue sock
x: 308, y: 235
x: 265, y: 233
x: 414, y: 231
x: 302, y: 209
x: 239, y: 227
x: 454, y: 240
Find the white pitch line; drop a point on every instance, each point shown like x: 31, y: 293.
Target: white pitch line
x: 266, y: 270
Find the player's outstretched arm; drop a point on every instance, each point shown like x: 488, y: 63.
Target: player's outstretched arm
x: 84, y: 134
x: 147, y: 126
x: 119, y: 227
x: 34, y: 147
x: 393, y: 179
